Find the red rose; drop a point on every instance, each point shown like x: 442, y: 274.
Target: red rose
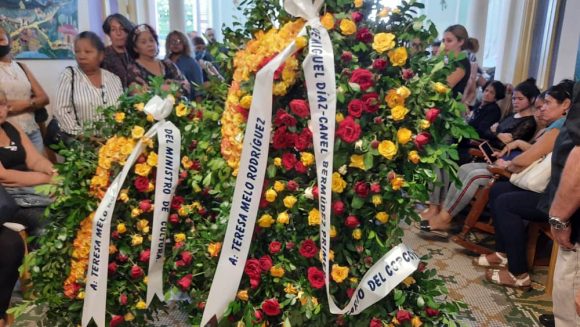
x: 141, y: 159
x: 408, y: 74
x: 284, y: 118
x: 177, y: 202
x: 115, y: 235
x: 265, y: 263
x: 185, y: 282
x: 112, y: 268
x: 338, y: 207
x: 271, y: 307
x: 266, y: 60
x: 278, y: 72
x: 179, y: 264
x: 195, y: 165
x: 422, y: 266
x: 300, y: 168
x: 315, y: 191
x: 116, y: 320
x: 375, y: 144
x: 141, y: 184
x: 349, y: 292
x: 356, y: 107
x: 351, y: 221
x: 144, y: 255
x: 364, y: 35
x: 356, y: 16
x: 431, y: 312
x: 290, y: 245
x: 303, y: 140
x: 368, y: 260
x: 348, y: 130
x: 174, y: 218
x: 432, y: 114
x: 391, y: 175
x: 123, y: 299
x: 288, y: 160
x: 371, y: 101
x: 308, y: 248
x: 346, y: 56
x: 264, y: 203
x: 292, y: 185
x: 422, y: 139
x: 145, y: 205
x: 186, y: 257
x: 403, y: 315
x: 282, y: 138
x: 136, y: 272
x: 361, y: 189
x: 376, y: 323
x: 122, y: 257
x: 258, y: 315
x: 359, y: 248
x: 375, y: 187
x: 363, y: 78
x: 378, y: 121
x: 275, y: 247
x: 316, y: 277
x: 253, y: 269
x: 300, y: 108
x: 379, y: 64
x: 254, y: 282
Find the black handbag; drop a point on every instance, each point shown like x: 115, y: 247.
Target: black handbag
x: 8, y: 206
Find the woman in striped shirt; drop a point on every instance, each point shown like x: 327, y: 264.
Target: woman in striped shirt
x: 85, y: 88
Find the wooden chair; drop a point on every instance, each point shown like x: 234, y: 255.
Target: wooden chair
x: 535, y: 230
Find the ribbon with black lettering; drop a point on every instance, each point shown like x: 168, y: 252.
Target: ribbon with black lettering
x: 95, y: 302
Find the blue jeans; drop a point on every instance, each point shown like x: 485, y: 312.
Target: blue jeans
x: 36, y: 139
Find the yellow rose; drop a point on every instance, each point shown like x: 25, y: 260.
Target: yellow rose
x: 338, y: 184
x: 137, y: 132
x: 409, y: 281
x: 339, y: 274
x: 332, y: 231
x: 424, y: 124
x: 290, y: 289
x: 339, y: 117
x: 383, y: 42
x: 377, y: 200
x: 347, y: 27
x: 283, y: 218
x: 404, y: 92
x: 394, y: 99
x: 266, y: 221
x: 123, y: 196
x: 358, y: 3
x: 139, y: 106
x: 276, y: 271
x: 398, y: 56
x: 357, y: 234
x: 152, y: 159
x: 135, y: 212
x: 150, y: 118
x: 142, y: 169
x: 416, y: 322
x: 246, y: 102
x: 129, y: 316
x: 136, y: 240
x: 383, y: 13
x: 440, y: 88
x: 314, y: 217
x: 186, y: 162
x: 382, y: 217
x: 181, y: 110
x: 300, y: 42
x: 306, y: 158
x: 150, y: 187
x: 243, y: 295
x: 113, y: 249
x: 399, y: 112
x: 280, y: 89
x: 388, y: 149
x: 278, y: 162
x: 397, y: 183
x: 141, y: 305
x: 290, y: 201
x: 404, y: 135
x: 327, y: 21
x: 143, y: 225
x: 414, y: 157
x: 357, y: 161
x: 127, y: 148
x: 279, y: 186
x: 119, y: 117
x: 214, y: 249
x: 271, y: 195
x: 179, y: 237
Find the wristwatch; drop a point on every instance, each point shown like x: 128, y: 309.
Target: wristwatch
x: 558, y: 224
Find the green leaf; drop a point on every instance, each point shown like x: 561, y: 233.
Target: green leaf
x: 357, y: 202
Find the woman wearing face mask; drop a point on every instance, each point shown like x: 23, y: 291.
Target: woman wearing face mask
x: 205, y: 59
x: 117, y: 27
x: 178, y: 50
x: 85, y: 88
x: 25, y: 95
x: 143, y: 46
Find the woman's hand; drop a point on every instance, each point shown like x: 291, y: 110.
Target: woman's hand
x: 502, y: 163
x: 505, y: 137
x: 493, y: 128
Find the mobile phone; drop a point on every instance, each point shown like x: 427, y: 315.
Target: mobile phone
x: 487, y: 152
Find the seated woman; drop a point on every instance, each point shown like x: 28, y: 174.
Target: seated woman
x: 143, y: 47
x: 511, y: 205
x: 117, y: 27
x: 488, y: 112
x: 178, y: 50
x: 82, y: 89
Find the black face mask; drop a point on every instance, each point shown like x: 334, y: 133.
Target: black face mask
x: 4, y: 50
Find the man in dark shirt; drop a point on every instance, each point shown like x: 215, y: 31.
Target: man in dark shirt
x: 564, y: 196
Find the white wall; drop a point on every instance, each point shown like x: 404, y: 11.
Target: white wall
x: 568, y: 48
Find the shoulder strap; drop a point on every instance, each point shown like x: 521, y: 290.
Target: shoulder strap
x: 72, y: 94
x: 24, y: 70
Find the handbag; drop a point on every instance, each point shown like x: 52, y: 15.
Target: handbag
x: 536, y: 176
x: 8, y: 206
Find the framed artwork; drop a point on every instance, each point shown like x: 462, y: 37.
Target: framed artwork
x: 40, y: 29
x: 577, y: 73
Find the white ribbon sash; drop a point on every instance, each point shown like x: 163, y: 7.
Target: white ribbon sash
x: 96, y: 286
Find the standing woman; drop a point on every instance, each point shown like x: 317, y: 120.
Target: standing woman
x: 82, y: 89
x: 456, y: 40
x: 143, y: 47
x: 178, y: 50
x: 24, y: 93
x: 117, y: 27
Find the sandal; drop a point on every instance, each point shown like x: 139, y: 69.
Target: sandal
x: 505, y: 278
x: 483, y: 261
x: 425, y: 229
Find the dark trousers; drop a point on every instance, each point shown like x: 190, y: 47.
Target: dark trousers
x: 512, y: 207
x: 11, y: 258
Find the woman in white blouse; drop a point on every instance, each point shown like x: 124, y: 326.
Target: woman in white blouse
x: 85, y: 88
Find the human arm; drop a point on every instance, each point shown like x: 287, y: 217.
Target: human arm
x: 542, y: 147
x: 517, y: 144
x: 505, y: 137
x: 490, y: 116
x: 455, y: 77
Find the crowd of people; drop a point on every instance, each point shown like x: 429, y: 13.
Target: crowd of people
x: 521, y: 124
